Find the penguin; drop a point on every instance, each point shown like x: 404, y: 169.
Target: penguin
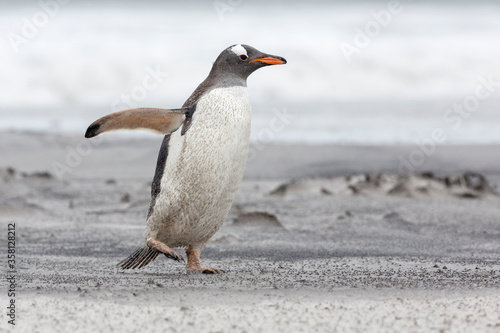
x: 201, y: 159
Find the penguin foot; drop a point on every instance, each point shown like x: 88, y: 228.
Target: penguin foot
x: 212, y: 270
x: 203, y: 270
x: 194, y: 267
x: 163, y: 248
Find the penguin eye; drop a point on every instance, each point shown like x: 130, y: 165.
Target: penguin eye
x: 243, y: 57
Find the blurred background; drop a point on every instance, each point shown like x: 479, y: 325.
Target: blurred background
x: 358, y: 72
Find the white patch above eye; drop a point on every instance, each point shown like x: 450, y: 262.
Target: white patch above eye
x: 239, y: 50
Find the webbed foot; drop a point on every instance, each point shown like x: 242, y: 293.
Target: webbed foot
x: 193, y: 265
x: 163, y: 248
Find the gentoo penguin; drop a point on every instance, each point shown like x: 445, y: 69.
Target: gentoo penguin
x: 199, y: 167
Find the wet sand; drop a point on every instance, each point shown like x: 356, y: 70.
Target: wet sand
x: 320, y: 238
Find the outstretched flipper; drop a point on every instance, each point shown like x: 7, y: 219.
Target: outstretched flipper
x: 162, y: 121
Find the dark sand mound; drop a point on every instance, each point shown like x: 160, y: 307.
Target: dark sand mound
x: 466, y: 185
x: 262, y: 219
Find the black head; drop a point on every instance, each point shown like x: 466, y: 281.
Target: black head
x: 239, y: 61
x: 232, y: 68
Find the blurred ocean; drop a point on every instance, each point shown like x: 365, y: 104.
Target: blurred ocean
x: 86, y: 59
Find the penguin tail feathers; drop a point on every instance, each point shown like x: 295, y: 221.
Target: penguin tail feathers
x: 140, y: 258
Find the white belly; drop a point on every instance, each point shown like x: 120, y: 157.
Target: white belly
x: 203, y: 170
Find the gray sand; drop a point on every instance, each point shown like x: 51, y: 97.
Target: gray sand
x: 320, y: 254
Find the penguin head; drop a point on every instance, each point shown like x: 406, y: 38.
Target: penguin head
x: 242, y: 60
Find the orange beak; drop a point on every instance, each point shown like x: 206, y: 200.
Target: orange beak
x: 270, y: 61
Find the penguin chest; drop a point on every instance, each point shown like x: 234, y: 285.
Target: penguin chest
x: 215, y: 147
x: 204, y: 168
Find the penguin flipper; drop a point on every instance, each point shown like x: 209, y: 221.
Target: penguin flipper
x: 162, y: 121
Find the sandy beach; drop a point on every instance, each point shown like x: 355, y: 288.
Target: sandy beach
x: 320, y: 238
x: 370, y: 201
